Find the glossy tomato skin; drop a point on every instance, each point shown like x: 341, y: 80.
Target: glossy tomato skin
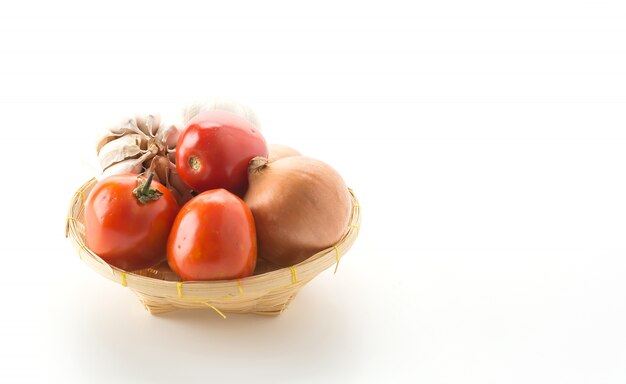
x: 214, y: 151
x: 122, y: 231
x: 213, y: 238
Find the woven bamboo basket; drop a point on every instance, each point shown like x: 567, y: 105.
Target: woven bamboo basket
x: 159, y: 290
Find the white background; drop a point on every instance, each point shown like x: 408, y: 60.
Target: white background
x: 485, y: 139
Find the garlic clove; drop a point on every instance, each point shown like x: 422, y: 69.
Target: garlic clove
x: 127, y: 126
x: 159, y: 165
x: 149, y: 125
x: 124, y: 147
x: 171, y: 155
x: 105, y: 139
x: 179, y: 185
x: 154, y: 124
x: 124, y: 166
x: 168, y: 136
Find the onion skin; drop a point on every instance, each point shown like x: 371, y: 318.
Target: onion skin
x: 279, y: 151
x: 300, y: 206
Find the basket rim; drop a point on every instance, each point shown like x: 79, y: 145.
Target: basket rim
x: 297, y: 274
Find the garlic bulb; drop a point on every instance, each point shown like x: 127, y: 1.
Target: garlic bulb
x: 223, y: 104
x: 143, y: 144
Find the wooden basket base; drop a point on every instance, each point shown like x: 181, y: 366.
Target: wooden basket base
x: 157, y: 306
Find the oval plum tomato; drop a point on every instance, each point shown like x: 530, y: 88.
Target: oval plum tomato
x: 214, y: 151
x: 128, y: 220
x: 213, y: 238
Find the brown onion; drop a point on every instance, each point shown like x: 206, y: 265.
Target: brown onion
x: 300, y: 206
x: 279, y: 151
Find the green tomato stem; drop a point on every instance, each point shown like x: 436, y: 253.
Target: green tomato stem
x: 144, y: 193
x: 146, y: 186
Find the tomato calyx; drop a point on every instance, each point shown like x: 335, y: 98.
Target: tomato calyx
x: 194, y: 163
x: 144, y: 193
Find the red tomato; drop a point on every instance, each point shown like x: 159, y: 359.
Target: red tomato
x: 124, y: 231
x: 213, y: 238
x: 214, y: 151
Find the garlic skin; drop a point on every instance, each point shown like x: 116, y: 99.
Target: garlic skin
x: 223, y: 104
x: 142, y: 144
x: 129, y: 146
x: 124, y: 166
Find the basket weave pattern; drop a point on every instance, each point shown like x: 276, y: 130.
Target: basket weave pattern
x: 264, y: 294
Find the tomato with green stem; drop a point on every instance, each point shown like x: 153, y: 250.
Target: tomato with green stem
x: 128, y: 219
